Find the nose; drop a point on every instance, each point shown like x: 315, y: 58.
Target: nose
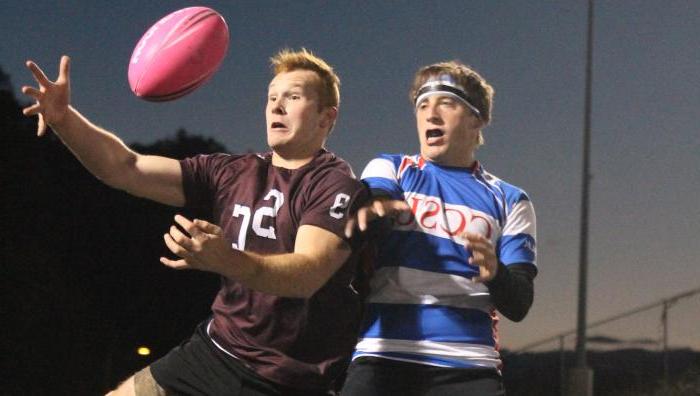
x: 433, y: 114
x: 277, y: 106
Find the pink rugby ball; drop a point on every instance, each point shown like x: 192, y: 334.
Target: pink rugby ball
x: 178, y: 54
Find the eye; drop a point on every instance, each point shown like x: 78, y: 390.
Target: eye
x: 271, y: 98
x: 447, y: 102
x: 295, y: 96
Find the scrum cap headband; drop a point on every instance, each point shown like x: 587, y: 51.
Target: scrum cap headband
x: 444, y: 84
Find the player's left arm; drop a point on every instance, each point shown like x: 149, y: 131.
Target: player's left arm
x: 509, y: 270
x: 512, y: 290
x: 511, y: 287
x: 317, y: 255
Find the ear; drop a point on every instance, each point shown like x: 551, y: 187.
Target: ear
x: 478, y: 123
x: 328, y: 117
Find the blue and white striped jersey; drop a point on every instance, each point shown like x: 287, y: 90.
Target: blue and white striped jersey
x: 423, y: 306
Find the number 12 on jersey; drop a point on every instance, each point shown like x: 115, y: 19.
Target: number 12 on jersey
x: 337, y: 211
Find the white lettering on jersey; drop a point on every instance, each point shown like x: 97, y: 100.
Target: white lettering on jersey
x: 337, y: 211
x: 268, y: 211
x: 260, y: 213
x: 434, y: 217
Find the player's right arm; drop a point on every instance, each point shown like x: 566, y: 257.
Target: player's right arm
x: 380, y: 175
x: 101, y: 152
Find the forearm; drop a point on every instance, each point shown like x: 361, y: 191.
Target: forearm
x: 289, y: 275
x: 101, y: 152
x: 512, y: 290
x: 107, y: 157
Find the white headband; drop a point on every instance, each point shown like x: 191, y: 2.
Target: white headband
x: 444, y: 84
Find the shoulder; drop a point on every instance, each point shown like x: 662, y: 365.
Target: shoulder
x: 222, y: 159
x: 219, y: 168
x: 391, y: 165
x: 513, y: 194
x: 328, y: 169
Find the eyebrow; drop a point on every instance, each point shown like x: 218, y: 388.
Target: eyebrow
x: 293, y: 85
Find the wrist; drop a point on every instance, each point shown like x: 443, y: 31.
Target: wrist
x: 240, y: 266
x: 63, y: 121
x: 501, y: 276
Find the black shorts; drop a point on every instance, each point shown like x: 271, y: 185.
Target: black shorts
x: 371, y: 376
x: 199, y: 367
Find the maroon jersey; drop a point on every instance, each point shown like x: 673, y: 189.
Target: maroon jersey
x: 301, y: 343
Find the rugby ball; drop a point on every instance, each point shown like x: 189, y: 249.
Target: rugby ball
x: 178, y: 54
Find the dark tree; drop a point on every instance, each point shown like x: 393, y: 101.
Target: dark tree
x: 81, y: 283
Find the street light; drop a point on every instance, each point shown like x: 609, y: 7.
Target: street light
x: 143, y: 351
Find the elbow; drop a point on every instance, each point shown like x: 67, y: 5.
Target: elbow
x: 305, y: 295
x: 119, y: 173
x: 516, y: 316
x: 306, y: 291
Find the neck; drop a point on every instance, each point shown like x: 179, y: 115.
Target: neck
x: 460, y: 161
x: 281, y: 161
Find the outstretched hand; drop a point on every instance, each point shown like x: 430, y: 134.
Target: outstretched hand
x: 202, y: 247
x: 377, y: 207
x: 483, y: 256
x: 52, y: 98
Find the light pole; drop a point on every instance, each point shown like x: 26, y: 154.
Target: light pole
x: 581, y: 377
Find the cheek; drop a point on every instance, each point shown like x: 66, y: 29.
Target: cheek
x: 421, y: 135
x: 420, y: 127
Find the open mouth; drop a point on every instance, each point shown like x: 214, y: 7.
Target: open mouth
x: 434, y: 133
x: 277, y: 125
x: 434, y: 137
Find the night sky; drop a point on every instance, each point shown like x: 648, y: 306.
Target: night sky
x: 644, y: 214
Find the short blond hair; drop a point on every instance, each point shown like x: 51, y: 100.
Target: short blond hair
x: 288, y: 60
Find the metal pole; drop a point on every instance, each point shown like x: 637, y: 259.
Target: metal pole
x: 562, y: 366
x: 664, y: 323
x: 583, y: 252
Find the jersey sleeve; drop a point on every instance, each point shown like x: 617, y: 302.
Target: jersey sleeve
x: 201, y: 176
x: 381, y: 177
x: 518, y: 240
x: 331, y: 200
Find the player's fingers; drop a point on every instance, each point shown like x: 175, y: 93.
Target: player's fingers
x: 473, y: 237
x: 175, y: 264
x: 475, y: 246
x: 378, y: 207
x: 207, y: 227
x: 38, y: 74
x: 41, y: 126
x: 175, y: 247
x: 477, y: 241
x: 64, y: 70
x: 32, y: 110
x: 398, y: 207
x: 350, y: 227
x: 181, y: 239
x: 31, y: 91
x: 364, y: 216
x: 187, y: 225
x: 485, y: 274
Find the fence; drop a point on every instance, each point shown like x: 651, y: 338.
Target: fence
x: 649, y: 328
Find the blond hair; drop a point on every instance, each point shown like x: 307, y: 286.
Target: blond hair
x: 288, y: 60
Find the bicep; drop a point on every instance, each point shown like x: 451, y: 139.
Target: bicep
x: 157, y: 178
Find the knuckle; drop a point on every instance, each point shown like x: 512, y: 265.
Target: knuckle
x: 178, y: 238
